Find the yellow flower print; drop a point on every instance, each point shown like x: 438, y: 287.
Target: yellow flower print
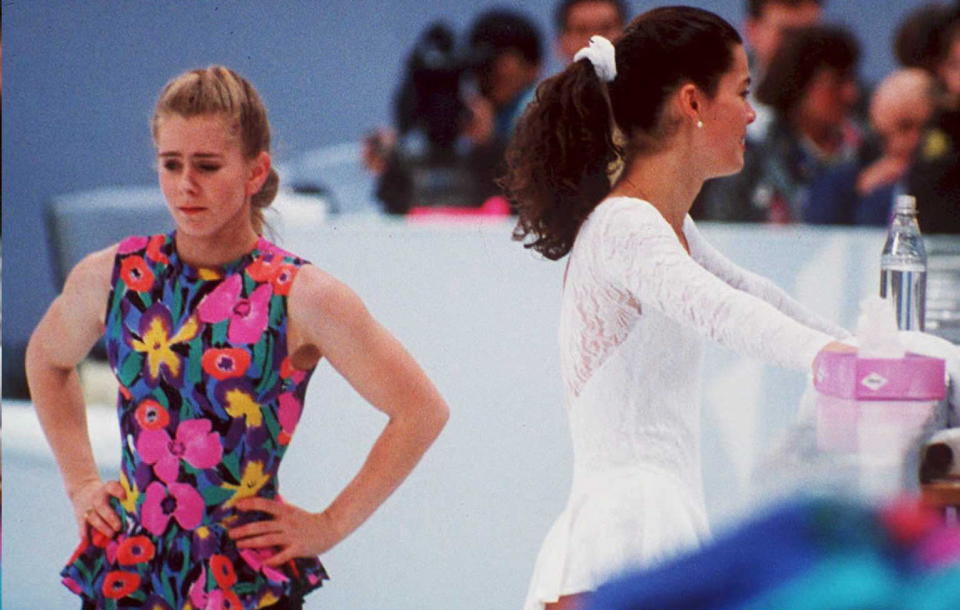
x: 156, y: 342
x: 131, y: 493
x: 252, y: 481
x: 241, y: 404
x: 208, y: 274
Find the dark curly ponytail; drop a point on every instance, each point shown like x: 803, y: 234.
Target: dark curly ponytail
x: 559, y: 157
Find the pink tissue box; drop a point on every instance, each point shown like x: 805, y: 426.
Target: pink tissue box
x: 913, y: 377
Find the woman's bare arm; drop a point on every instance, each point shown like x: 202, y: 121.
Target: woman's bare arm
x: 329, y: 317
x: 61, y: 340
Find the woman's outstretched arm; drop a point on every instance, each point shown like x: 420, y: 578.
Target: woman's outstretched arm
x: 763, y: 288
x: 641, y: 253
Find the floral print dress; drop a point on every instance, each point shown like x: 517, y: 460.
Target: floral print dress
x: 208, y: 402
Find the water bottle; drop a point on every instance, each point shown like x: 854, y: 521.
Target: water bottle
x: 903, y: 266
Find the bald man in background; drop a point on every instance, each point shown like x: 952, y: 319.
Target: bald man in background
x: 863, y: 191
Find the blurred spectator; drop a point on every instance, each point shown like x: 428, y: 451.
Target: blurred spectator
x: 577, y: 20
x: 766, y: 23
x: 917, y: 39
x: 862, y: 191
x: 935, y: 177
x: 455, y: 111
x: 811, y: 86
x: 764, y: 28
x: 511, y: 47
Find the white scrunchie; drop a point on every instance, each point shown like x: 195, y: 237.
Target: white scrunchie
x: 601, y: 54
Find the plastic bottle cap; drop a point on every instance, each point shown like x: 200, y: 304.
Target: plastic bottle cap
x: 906, y: 203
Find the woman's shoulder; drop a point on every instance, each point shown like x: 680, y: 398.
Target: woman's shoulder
x: 624, y: 214
x: 265, y: 246
x: 96, y: 268
x: 318, y: 291
x: 620, y: 204
x: 92, y: 277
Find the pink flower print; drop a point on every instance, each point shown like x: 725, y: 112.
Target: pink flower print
x: 183, y: 503
x: 255, y: 558
x: 221, y: 599
x: 198, y: 594
x: 289, y: 415
x: 248, y: 316
x: 72, y: 585
x: 111, y: 550
x: 194, y: 443
x: 132, y: 244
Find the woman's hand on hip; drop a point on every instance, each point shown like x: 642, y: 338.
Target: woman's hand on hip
x: 91, y: 506
x: 293, y: 531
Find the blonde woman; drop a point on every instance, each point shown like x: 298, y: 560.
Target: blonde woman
x: 213, y: 333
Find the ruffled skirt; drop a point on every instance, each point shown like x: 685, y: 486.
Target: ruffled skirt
x: 615, y: 521
x: 197, y: 568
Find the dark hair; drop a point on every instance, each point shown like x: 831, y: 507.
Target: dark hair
x: 755, y: 7
x: 500, y: 30
x: 918, y: 39
x: 804, y: 52
x: 558, y: 160
x: 562, y: 11
x: 949, y: 33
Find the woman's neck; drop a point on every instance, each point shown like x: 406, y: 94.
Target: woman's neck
x: 666, y: 179
x: 215, y: 250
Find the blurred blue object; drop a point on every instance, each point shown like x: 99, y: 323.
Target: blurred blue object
x: 805, y: 554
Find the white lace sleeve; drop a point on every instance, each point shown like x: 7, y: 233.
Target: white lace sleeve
x: 738, y: 277
x: 641, y: 253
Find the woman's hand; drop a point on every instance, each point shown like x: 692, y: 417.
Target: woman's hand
x: 294, y: 531
x: 839, y: 346
x: 833, y: 346
x: 91, y: 506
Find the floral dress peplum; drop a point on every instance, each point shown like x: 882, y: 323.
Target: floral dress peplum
x: 208, y: 403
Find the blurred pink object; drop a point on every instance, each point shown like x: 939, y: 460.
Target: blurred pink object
x: 913, y: 377
x: 494, y: 206
x: 863, y: 402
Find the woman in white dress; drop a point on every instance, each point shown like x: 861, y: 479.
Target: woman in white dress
x: 667, y: 108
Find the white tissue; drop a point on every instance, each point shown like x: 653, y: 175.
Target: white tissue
x: 877, y: 333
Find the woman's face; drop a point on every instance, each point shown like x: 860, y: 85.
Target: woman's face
x: 726, y: 116
x: 829, y: 98
x: 204, y: 176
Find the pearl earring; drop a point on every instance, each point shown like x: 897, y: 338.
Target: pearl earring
x: 699, y: 124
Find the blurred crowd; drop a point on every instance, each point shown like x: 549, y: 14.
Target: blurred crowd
x: 459, y: 101
x: 826, y: 148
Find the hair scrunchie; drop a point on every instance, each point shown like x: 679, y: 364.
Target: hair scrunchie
x: 601, y: 54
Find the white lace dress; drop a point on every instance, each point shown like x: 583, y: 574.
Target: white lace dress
x: 635, y: 309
